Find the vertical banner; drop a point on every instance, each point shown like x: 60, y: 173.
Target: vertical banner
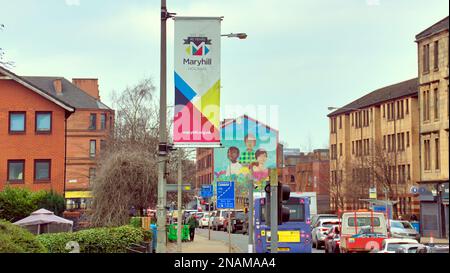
x: 197, y: 82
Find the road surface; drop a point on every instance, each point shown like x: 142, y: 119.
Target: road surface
x: 238, y: 240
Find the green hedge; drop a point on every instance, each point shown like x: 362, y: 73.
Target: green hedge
x: 14, y: 239
x: 18, y: 203
x: 96, y: 240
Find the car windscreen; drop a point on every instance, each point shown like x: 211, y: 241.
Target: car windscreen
x: 240, y: 215
x: 394, y: 246
x: 330, y: 224
x: 402, y: 225
x: 364, y: 221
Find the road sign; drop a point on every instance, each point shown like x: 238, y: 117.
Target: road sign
x: 174, y: 188
x: 225, y: 195
x: 373, y: 193
x: 207, y: 191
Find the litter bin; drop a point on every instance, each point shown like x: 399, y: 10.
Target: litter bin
x: 416, y: 225
x: 154, y: 237
x: 185, y: 233
x: 172, y: 236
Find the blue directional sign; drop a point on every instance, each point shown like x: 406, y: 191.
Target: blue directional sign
x: 207, y: 191
x: 225, y: 195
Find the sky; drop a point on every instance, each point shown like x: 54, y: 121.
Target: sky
x: 300, y: 57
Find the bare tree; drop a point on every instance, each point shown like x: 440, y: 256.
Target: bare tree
x: 127, y: 174
x: 3, y: 62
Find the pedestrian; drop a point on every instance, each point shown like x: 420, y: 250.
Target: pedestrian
x: 413, y: 218
x: 192, y: 222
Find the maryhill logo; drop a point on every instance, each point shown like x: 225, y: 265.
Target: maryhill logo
x: 198, y: 47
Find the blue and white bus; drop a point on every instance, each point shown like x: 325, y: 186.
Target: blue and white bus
x: 293, y: 236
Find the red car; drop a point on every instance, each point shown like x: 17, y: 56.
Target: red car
x: 333, y: 240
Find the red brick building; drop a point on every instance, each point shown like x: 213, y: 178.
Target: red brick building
x: 54, y: 129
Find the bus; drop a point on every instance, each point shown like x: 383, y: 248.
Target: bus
x: 293, y: 236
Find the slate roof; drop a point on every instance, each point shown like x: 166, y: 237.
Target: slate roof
x: 398, y: 90
x: 71, y: 94
x: 436, y: 28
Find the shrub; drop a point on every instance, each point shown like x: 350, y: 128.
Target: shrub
x: 96, y: 240
x: 136, y: 222
x: 14, y: 239
x: 18, y: 203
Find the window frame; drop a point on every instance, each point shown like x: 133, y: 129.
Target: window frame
x: 90, y: 148
x: 436, y: 55
x: 15, y: 181
x: 36, y: 122
x: 24, y: 113
x: 46, y: 180
x: 103, y: 121
x: 92, y: 128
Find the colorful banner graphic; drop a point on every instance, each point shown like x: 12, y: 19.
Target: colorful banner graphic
x: 197, y: 82
x: 249, y: 148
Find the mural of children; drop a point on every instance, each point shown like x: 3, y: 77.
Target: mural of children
x: 235, y: 166
x: 260, y: 171
x: 248, y: 157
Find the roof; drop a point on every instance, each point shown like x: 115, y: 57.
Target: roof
x: 42, y: 216
x: 227, y: 122
x: 71, y: 94
x: 70, y: 99
x: 436, y: 28
x: 398, y: 90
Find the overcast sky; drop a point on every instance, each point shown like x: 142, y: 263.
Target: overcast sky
x: 301, y: 56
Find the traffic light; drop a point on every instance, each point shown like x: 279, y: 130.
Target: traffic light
x: 284, y: 192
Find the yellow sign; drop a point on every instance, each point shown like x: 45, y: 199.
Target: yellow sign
x: 290, y: 236
x: 78, y: 194
x: 284, y: 249
x: 263, y: 233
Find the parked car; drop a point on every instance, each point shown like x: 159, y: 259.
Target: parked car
x: 431, y: 248
x: 320, y: 230
x: 408, y: 248
x: 403, y: 229
x: 218, y: 220
x: 317, y: 217
x: 392, y: 244
x: 237, y: 221
x: 332, y: 241
x: 203, y: 219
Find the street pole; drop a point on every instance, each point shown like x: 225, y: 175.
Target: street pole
x: 209, y: 218
x: 250, y: 215
x: 229, y: 230
x: 162, y: 157
x: 179, y: 201
x: 274, y: 211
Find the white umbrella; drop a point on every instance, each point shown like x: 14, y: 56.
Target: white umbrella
x: 42, y: 216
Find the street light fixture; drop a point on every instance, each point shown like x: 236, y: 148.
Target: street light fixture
x: 241, y: 36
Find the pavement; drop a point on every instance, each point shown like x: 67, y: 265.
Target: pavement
x: 201, y: 244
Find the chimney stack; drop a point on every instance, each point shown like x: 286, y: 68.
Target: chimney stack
x: 89, y: 86
x: 57, y: 84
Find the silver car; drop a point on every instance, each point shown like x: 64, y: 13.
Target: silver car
x: 403, y: 229
x: 320, y: 231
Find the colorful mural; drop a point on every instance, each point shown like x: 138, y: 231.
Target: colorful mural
x: 249, y: 150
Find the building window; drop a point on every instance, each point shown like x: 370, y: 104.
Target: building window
x: 16, y: 171
x: 407, y: 139
x: 437, y: 153
x: 384, y: 111
x: 92, y: 148
x: 407, y: 106
x: 43, y: 122
x: 409, y: 172
x: 103, y: 121
x: 92, y: 174
x: 42, y: 170
x: 340, y: 122
x: 384, y: 142
x: 426, y: 58
x: 340, y: 149
x: 426, y: 105
x: 353, y: 147
x: 17, y: 121
x: 436, y: 103
x: 436, y: 55
x: 93, y: 122
x: 426, y: 146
